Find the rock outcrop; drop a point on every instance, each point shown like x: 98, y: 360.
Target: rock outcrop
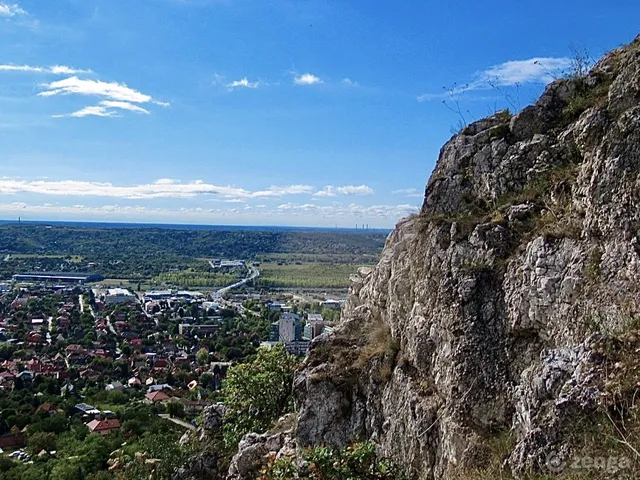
x: 207, y: 463
x: 489, y: 312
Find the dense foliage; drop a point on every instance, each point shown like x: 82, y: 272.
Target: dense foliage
x: 257, y: 393
x: 83, y: 455
x: 356, y: 462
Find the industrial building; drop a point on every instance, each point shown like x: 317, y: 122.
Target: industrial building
x: 58, y: 277
x: 118, y: 295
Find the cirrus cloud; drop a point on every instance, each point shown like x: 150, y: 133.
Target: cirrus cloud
x: 117, y: 96
x: 11, y: 10
x: 95, y: 111
x: 350, y: 83
x: 112, y: 90
x: 54, y: 69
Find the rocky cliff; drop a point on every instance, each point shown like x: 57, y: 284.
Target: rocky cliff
x: 505, y: 312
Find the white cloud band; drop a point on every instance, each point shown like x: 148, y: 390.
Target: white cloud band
x: 163, y: 188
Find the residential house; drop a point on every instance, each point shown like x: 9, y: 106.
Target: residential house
x: 103, y: 427
x: 192, y: 407
x: 12, y: 441
x: 46, y: 407
x: 156, y: 397
x: 159, y: 387
x: 134, y: 382
x: 117, y: 386
x: 87, y: 409
x: 89, y: 374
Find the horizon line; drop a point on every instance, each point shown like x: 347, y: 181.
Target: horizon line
x: 186, y: 225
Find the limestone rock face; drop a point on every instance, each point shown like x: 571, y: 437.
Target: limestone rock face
x: 484, y: 311
x: 255, y: 450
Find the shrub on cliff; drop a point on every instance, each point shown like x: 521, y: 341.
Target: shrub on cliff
x: 356, y: 462
x: 257, y: 393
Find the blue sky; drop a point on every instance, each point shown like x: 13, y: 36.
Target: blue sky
x: 262, y: 112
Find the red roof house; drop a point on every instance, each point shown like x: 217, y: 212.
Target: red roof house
x: 156, y: 397
x: 103, y: 427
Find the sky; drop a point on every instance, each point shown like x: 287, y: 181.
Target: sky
x: 264, y: 112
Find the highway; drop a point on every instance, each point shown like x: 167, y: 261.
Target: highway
x: 217, y: 295
x: 253, y: 274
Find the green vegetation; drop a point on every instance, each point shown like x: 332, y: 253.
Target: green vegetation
x: 190, y: 278
x: 147, y: 252
x: 552, y: 214
x: 83, y: 455
x: 356, y: 462
x: 306, y: 275
x: 256, y: 394
x: 236, y: 339
x: 319, y: 258
x: 202, y: 356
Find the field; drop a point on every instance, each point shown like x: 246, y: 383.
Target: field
x: 333, y: 258
x: 306, y: 274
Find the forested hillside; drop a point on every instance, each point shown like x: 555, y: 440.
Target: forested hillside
x: 194, y: 243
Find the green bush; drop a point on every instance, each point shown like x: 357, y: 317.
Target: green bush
x: 356, y: 462
x: 256, y: 394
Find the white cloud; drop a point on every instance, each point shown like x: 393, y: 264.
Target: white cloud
x: 165, y: 181
x: 55, y: 69
x: 162, y: 188
x: 540, y: 70
x: 307, y: 207
x: 327, y: 191
x: 95, y: 111
x: 105, y: 109
x: 124, y: 106
x: 21, y: 68
x: 349, y: 82
x: 118, y: 96
x: 534, y: 70
x: 355, y: 190
x: 286, y: 213
x: 306, y: 79
x: 243, y: 83
x: 113, y: 90
x: 348, y: 211
x: 11, y: 10
x: 408, y: 192
x: 332, y: 191
x: 274, y: 191
x: 64, y: 70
